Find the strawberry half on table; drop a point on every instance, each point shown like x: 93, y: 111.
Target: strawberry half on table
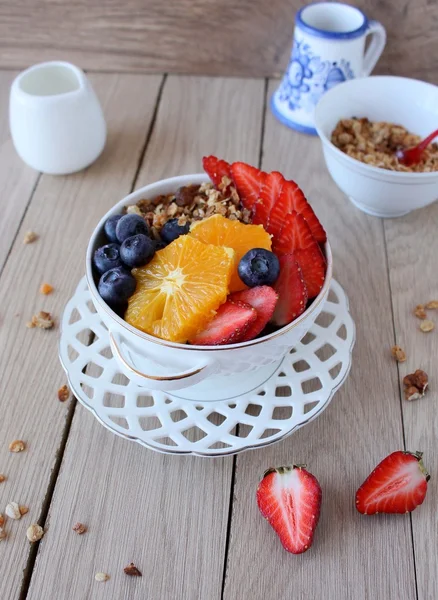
x: 397, y: 485
x: 290, y: 499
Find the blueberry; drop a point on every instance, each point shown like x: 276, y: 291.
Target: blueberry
x: 107, y: 257
x: 258, y: 267
x: 116, y: 286
x: 110, y: 227
x: 137, y: 250
x: 130, y: 225
x: 171, y: 230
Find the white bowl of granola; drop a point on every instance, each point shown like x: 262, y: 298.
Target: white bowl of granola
x: 360, y: 123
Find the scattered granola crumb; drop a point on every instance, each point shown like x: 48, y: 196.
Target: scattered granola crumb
x: 79, y: 528
x: 12, y: 510
x: 131, y: 569
x: 2, y: 478
x: 43, y: 320
x: 17, y: 446
x: 46, y: 289
x: 34, y: 533
x: 63, y: 393
x: 101, y: 577
x: 23, y: 510
x: 432, y: 305
x: 398, y: 353
x: 2, y: 533
x: 427, y: 325
x: 2, y: 520
x: 30, y: 237
x: 420, y: 312
x: 415, y: 385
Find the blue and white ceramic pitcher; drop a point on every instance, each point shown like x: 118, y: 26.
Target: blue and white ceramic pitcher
x: 328, y: 48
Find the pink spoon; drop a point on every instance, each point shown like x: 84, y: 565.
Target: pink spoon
x: 413, y: 155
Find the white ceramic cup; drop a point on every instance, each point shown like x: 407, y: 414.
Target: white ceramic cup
x: 56, y: 121
x: 328, y: 48
x: 160, y: 365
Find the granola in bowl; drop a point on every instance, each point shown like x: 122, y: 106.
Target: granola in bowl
x: 192, y: 203
x: 376, y: 143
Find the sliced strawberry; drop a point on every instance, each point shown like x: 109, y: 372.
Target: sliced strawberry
x: 292, y: 291
x: 216, y: 169
x: 290, y: 499
x: 248, y: 181
x: 397, y: 485
x: 297, y: 239
x: 229, y: 325
x: 263, y: 298
x: 292, y: 198
x: 269, y: 194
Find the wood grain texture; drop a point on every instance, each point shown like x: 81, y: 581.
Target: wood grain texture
x: 17, y: 180
x: 209, y: 37
x: 63, y: 211
x: 353, y: 556
x: 412, y: 247
x: 166, y: 514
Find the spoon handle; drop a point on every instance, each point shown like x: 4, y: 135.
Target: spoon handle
x: 427, y: 140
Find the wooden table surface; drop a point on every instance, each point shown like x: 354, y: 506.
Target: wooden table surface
x: 190, y: 524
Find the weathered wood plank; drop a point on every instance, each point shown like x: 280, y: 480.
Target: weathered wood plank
x: 63, y: 212
x: 353, y: 556
x: 225, y: 37
x: 17, y: 180
x: 412, y: 249
x: 166, y: 514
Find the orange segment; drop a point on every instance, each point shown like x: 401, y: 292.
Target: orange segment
x: 221, y: 231
x: 180, y: 289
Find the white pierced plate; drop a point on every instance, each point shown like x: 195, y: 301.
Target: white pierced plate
x: 294, y: 393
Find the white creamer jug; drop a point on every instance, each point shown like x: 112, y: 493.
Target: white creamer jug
x: 56, y: 121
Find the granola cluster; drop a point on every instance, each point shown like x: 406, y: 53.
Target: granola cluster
x: 375, y: 143
x: 192, y: 203
x: 415, y: 385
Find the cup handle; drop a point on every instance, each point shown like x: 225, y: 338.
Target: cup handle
x: 116, y: 348
x: 375, y: 49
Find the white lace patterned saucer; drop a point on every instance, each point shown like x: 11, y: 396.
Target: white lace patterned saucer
x: 295, y: 391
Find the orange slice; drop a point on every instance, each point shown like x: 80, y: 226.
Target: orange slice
x: 180, y: 289
x: 221, y: 231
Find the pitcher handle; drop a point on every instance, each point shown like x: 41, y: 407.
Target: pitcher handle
x: 375, y: 49
x: 117, y: 351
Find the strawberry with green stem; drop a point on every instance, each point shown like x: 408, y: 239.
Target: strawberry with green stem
x: 397, y: 485
x: 290, y: 500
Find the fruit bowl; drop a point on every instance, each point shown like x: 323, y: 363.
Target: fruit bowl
x: 158, y: 364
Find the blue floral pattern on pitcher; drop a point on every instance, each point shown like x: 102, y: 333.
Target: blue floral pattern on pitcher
x: 308, y: 77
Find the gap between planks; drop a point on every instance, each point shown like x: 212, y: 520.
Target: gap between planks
x: 395, y: 337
